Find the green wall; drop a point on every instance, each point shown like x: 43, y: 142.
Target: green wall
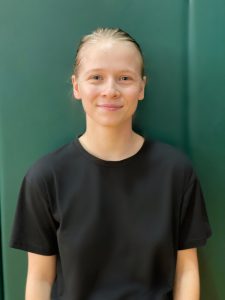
x: 184, y: 47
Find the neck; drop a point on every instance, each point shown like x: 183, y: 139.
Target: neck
x: 111, y: 143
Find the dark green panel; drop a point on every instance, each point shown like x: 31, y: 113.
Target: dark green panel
x: 207, y: 130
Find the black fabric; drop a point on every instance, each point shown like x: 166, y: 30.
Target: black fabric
x: 115, y: 226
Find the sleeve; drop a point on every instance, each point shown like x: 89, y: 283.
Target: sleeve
x: 34, y: 228
x: 194, y: 226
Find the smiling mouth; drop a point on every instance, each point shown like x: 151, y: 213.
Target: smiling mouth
x: 110, y: 107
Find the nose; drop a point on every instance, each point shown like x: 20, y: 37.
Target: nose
x: 110, y: 89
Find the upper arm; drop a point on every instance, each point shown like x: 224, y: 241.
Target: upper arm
x: 41, y: 267
x: 187, y: 260
x: 187, y: 281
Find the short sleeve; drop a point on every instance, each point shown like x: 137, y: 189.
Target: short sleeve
x: 194, y: 226
x: 34, y: 228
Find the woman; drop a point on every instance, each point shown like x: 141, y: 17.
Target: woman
x: 112, y: 214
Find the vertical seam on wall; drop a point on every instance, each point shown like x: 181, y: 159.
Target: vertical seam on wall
x: 186, y: 112
x: 190, y: 62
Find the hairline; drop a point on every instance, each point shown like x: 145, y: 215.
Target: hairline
x: 101, y: 39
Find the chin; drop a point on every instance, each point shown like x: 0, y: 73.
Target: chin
x: 109, y: 121
x: 113, y: 123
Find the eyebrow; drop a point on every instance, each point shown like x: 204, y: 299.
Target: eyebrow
x: 94, y: 70
x: 101, y: 69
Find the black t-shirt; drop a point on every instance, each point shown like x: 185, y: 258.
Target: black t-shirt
x: 115, y: 226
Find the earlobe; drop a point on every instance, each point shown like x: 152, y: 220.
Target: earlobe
x: 76, y: 93
x: 141, y: 97
x: 142, y: 91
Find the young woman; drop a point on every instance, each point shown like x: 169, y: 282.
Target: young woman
x: 112, y: 215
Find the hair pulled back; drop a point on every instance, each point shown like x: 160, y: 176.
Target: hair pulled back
x: 100, y: 34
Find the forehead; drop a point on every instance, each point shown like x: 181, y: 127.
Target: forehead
x: 107, y: 54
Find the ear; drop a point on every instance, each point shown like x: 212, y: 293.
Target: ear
x: 76, y: 91
x: 142, y: 90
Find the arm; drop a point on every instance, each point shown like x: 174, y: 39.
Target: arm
x: 187, y: 282
x: 40, y: 276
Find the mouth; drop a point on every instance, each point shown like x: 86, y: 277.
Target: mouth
x: 110, y: 107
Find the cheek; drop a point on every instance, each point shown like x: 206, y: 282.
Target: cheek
x: 133, y: 92
x: 89, y: 92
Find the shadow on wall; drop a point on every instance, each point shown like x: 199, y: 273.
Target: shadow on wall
x: 207, y: 276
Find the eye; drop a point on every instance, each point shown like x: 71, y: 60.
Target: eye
x: 125, y: 78
x: 96, y: 77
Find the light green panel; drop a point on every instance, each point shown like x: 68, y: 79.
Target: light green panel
x: 207, y: 130
x: 38, y: 114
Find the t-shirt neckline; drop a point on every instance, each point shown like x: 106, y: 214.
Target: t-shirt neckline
x: 109, y: 163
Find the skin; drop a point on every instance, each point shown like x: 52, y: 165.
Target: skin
x: 110, y: 72
x: 41, y: 274
x: 187, y: 281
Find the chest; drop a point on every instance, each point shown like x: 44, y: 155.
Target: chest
x: 130, y: 210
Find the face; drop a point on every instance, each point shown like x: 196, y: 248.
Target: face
x: 109, y: 82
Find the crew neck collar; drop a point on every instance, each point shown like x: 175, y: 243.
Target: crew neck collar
x: 109, y: 163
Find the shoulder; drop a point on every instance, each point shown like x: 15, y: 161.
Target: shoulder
x: 168, y: 152
x: 46, y: 166
x: 171, y: 159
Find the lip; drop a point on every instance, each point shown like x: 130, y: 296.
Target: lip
x: 110, y: 107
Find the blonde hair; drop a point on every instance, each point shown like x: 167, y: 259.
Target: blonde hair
x: 106, y: 33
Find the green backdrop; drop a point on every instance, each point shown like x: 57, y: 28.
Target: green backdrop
x: 184, y: 47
